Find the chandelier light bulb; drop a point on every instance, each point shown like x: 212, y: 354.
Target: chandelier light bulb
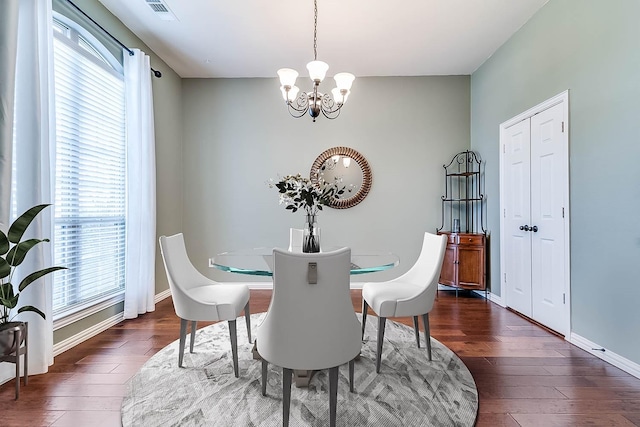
x: 291, y: 95
x: 346, y: 161
x: 288, y: 76
x: 344, y: 80
x: 340, y: 95
x: 317, y: 70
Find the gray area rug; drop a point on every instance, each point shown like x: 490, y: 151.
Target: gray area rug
x: 409, y: 391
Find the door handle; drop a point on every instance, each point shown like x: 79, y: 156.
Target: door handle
x: 525, y: 228
x: 534, y: 228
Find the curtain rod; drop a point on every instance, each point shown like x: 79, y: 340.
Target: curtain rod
x: 155, y: 72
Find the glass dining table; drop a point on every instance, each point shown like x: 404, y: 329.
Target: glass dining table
x: 259, y: 261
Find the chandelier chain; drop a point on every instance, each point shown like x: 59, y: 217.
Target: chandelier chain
x: 315, y: 30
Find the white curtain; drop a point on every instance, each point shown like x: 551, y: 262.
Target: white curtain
x: 8, y: 50
x: 141, y: 187
x: 35, y: 136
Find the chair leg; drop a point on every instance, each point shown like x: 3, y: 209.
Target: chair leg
x: 183, y: 338
x: 234, y: 345
x: 352, y: 366
x: 333, y: 395
x: 416, y: 328
x: 247, y: 318
x: 381, y: 323
x: 194, y: 326
x: 365, y: 308
x: 264, y: 377
x: 286, y: 395
x: 427, y: 333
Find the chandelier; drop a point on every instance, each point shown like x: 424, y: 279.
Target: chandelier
x: 315, y: 102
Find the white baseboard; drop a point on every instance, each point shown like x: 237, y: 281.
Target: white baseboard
x: 94, y: 330
x: 606, y: 355
x: 162, y: 295
x: 493, y: 298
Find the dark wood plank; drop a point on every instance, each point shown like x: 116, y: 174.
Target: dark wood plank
x: 525, y: 375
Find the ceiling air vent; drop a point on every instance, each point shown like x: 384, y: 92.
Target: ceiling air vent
x: 161, y: 10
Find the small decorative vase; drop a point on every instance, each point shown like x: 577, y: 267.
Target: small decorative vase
x: 311, y: 236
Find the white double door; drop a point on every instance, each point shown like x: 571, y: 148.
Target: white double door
x: 534, y: 226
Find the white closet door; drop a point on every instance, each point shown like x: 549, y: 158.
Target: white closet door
x: 548, y: 173
x: 517, y: 211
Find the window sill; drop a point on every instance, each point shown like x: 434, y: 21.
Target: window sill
x: 86, y: 310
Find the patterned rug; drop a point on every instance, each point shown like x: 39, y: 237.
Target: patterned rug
x: 409, y: 391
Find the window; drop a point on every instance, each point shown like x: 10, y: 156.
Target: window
x: 90, y: 178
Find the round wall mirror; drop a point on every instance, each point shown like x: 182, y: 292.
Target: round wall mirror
x: 347, y: 167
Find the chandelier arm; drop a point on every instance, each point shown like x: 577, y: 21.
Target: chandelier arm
x: 300, y: 107
x: 332, y: 114
x: 298, y: 113
x: 301, y: 102
x: 328, y: 103
x: 294, y: 108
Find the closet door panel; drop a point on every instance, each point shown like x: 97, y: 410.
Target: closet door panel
x: 517, y: 211
x: 548, y: 168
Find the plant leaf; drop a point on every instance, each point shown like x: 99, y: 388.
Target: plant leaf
x: 31, y: 308
x: 10, y: 302
x: 4, y: 243
x: 36, y: 275
x: 21, y: 223
x: 16, y: 254
x: 6, y: 290
x: 5, y: 268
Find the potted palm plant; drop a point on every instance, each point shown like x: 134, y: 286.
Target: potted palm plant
x: 13, y: 251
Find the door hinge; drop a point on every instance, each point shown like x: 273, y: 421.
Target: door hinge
x: 504, y: 213
x: 504, y: 148
x: 562, y: 127
x: 505, y: 277
x: 564, y: 298
x: 562, y: 212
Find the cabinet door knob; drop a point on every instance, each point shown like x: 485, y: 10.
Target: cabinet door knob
x: 534, y: 228
x: 524, y: 227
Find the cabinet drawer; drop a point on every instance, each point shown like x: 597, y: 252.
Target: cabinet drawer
x: 469, y: 239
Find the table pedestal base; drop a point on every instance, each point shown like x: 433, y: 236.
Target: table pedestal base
x: 300, y: 377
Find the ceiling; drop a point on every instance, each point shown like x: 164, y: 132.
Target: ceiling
x: 254, y: 38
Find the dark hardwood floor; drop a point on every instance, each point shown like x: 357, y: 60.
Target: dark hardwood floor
x: 525, y: 375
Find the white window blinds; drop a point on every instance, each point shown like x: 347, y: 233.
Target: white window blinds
x: 90, y: 222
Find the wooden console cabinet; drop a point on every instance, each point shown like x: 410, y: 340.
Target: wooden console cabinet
x: 464, y: 261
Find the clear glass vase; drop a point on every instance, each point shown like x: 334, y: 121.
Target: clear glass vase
x: 311, y: 235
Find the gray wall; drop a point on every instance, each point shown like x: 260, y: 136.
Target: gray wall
x: 167, y: 103
x: 238, y: 134
x: 592, y: 48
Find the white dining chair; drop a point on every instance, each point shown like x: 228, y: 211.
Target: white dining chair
x: 310, y: 324
x: 295, y: 239
x: 411, y: 294
x: 198, y: 298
